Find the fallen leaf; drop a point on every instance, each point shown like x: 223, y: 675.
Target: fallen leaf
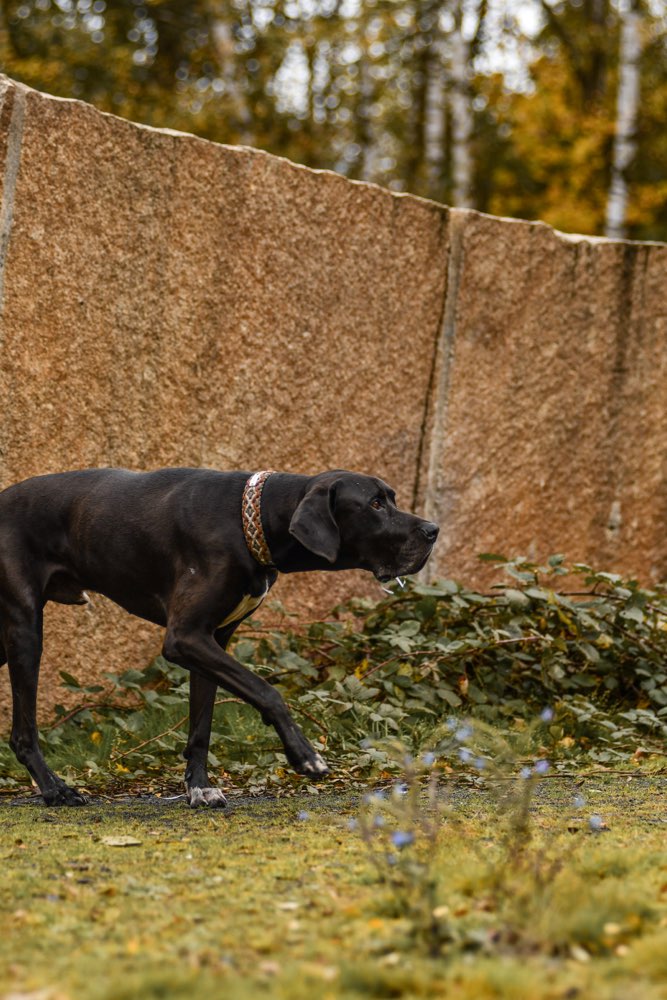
x: 269, y: 968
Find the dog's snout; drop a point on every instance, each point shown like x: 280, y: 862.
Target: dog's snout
x: 429, y: 530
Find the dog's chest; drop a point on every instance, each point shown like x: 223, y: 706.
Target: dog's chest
x: 246, y: 606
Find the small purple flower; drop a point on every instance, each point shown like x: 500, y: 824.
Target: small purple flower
x: 463, y: 734
x: 541, y: 766
x: 525, y: 773
x: 465, y: 755
x: 547, y: 714
x: 352, y: 824
x: 378, y: 821
x: 402, y: 838
x: 452, y: 723
x: 479, y: 763
x: 428, y: 758
x: 303, y: 815
x: 578, y: 802
x: 595, y: 823
x: 401, y: 789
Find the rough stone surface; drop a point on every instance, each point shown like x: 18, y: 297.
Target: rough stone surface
x: 552, y: 392
x: 168, y: 301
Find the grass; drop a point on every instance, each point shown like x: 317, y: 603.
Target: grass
x: 300, y: 891
x: 278, y: 898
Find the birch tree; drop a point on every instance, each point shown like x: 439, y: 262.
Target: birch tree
x: 627, y: 105
x: 368, y: 153
x: 468, y: 24
x: 435, y: 119
x: 223, y: 42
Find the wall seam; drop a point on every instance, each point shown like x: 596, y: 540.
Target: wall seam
x: 428, y: 398
x: 444, y: 364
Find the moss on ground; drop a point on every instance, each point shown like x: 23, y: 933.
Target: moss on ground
x: 264, y: 901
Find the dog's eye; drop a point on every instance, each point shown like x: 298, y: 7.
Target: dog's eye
x: 377, y: 504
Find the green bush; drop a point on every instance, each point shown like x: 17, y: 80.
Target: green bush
x: 596, y: 652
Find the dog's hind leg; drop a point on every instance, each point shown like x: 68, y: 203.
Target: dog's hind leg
x: 23, y: 643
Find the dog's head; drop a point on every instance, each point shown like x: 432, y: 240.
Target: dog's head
x: 353, y: 522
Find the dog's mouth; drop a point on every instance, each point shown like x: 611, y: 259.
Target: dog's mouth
x: 405, y: 559
x: 383, y: 574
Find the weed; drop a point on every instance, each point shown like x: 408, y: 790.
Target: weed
x: 530, y: 888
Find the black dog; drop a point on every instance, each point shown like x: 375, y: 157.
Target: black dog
x: 193, y: 550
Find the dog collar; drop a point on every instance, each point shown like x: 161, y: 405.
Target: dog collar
x: 251, y: 515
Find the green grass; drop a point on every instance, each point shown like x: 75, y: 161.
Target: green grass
x: 517, y: 896
x: 261, y: 903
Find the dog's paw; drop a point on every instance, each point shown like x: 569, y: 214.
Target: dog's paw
x: 314, y: 765
x: 63, y: 795
x: 211, y: 798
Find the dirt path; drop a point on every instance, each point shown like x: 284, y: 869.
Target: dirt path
x: 643, y: 796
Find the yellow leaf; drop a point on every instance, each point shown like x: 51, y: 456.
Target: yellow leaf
x: 362, y: 668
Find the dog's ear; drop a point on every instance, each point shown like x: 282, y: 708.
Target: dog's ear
x: 313, y: 522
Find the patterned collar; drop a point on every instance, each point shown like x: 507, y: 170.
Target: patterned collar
x: 251, y: 515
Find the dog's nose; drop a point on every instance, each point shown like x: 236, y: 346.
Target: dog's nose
x: 429, y: 530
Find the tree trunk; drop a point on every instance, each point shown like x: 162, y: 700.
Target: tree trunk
x: 627, y: 104
x: 434, y: 123
x: 462, y: 118
x: 235, y: 96
x: 366, y: 132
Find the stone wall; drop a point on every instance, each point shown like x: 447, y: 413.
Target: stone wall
x: 168, y: 301
x: 549, y: 415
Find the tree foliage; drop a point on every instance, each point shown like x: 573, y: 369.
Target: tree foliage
x: 508, y: 107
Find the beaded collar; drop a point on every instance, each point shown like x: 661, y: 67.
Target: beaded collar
x: 251, y: 515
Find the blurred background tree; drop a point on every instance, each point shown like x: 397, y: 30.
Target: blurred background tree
x: 536, y: 109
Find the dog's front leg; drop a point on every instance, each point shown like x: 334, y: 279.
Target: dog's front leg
x: 203, y: 691
x: 198, y: 652
x: 199, y: 790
